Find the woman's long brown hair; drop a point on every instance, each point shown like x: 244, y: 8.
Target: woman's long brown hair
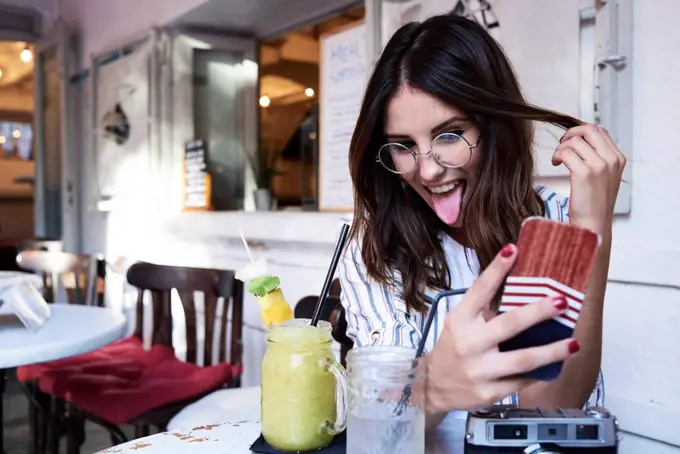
x: 457, y: 61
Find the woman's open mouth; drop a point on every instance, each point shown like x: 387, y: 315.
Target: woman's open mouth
x: 447, y: 200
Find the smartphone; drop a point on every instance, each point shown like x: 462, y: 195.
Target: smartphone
x: 553, y: 258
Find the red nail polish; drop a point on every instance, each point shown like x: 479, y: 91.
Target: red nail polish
x: 507, y: 251
x: 574, y: 346
x: 560, y: 302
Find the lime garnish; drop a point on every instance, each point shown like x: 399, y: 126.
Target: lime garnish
x: 261, y: 286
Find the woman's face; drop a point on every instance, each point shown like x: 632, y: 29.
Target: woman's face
x: 414, y: 119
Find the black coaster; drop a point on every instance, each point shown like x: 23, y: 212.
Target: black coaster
x: 338, y: 446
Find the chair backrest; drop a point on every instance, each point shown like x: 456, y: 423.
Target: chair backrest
x: 82, y: 276
x: 305, y: 307
x: 42, y: 244
x: 8, y: 254
x: 160, y: 280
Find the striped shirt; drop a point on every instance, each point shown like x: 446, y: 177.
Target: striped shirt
x: 376, y: 313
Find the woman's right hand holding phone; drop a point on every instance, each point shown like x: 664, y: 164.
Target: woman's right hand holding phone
x: 466, y: 370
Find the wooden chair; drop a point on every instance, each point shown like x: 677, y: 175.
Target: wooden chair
x: 42, y: 244
x: 305, y: 306
x: 340, y: 334
x: 81, y: 277
x: 130, y: 375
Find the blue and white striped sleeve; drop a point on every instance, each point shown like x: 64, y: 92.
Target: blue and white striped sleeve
x: 375, y: 313
x: 557, y: 209
x: 556, y: 206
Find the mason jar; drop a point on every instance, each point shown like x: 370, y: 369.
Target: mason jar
x: 304, y: 388
x: 386, y: 401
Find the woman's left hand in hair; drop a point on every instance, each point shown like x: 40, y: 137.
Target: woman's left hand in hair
x: 596, y: 166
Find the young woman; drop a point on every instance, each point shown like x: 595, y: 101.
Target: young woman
x: 441, y: 161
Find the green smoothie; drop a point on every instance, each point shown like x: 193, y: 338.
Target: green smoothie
x: 298, y: 390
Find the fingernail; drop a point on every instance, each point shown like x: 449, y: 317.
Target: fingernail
x: 574, y: 346
x: 507, y: 251
x: 560, y: 302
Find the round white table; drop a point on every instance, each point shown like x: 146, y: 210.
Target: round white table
x: 70, y: 331
x: 238, y: 410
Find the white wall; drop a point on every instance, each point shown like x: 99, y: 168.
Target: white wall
x: 640, y: 359
x: 104, y: 24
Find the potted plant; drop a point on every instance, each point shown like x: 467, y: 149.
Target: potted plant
x: 263, y: 165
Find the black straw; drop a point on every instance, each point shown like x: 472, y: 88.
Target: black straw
x: 339, y: 246
x: 434, y: 303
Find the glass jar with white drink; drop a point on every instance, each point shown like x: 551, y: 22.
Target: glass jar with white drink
x: 386, y: 401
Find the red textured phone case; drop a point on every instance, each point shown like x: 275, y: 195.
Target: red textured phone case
x: 553, y: 258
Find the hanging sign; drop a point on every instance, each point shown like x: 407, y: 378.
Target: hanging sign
x: 197, y: 184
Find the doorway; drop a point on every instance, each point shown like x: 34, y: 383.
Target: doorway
x: 289, y: 107
x: 32, y: 101
x: 17, y: 164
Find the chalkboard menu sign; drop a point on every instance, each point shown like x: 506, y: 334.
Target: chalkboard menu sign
x: 197, y: 187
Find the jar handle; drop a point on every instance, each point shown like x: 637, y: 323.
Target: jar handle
x: 340, y: 423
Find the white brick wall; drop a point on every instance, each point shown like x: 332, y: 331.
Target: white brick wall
x: 642, y: 342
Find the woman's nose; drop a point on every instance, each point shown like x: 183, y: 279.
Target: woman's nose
x: 430, y: 169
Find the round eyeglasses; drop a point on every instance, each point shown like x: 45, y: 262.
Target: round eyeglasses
x: 449, y: 150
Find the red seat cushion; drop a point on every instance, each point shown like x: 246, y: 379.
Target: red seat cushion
x: 129, y: 366
x: 119, y: 399
x: 129, y: 348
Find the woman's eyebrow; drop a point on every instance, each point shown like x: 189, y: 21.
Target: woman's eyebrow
x: 453, y: 121
x: 441, y: 127
x: 397, y: 137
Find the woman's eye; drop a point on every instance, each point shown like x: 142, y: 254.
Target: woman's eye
x: 458, y: 132
x: 451, y: 137
x: 407, y: 146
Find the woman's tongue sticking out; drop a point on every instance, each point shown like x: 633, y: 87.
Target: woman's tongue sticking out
x: 447, y: 205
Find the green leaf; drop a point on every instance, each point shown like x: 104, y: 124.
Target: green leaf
x: 261, y: 286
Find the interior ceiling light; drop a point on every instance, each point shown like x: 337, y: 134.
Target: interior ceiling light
x: 309, y: 92
x: 26, y: 55
x: 265, y: 101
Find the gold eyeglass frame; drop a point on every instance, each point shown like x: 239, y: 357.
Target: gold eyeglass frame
x: 415, y: 155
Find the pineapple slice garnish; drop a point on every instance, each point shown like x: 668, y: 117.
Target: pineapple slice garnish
x: 274, y: 309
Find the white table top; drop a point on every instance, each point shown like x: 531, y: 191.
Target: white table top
x: 235, y: 435
x: 71, y: 330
